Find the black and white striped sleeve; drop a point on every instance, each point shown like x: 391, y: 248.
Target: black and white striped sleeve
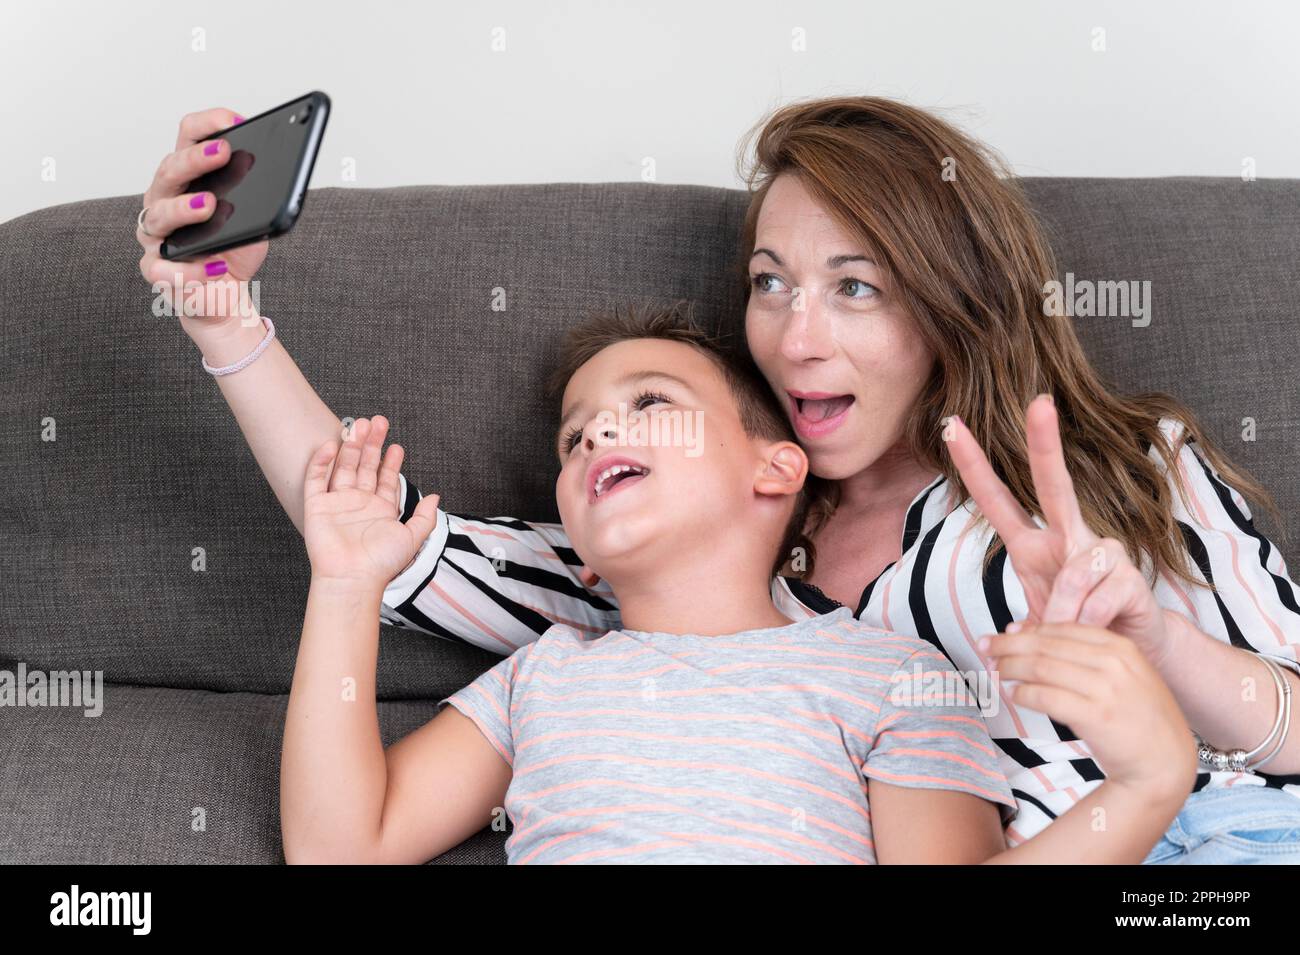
x: 1254, y: 604
x: 496, y: 582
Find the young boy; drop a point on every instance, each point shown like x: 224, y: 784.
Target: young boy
x: 709, y: 727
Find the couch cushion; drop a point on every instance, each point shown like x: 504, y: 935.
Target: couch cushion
x: 122, y: 787
x: 1224, y: 328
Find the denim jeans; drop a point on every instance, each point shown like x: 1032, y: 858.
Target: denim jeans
x: 1233, y: 825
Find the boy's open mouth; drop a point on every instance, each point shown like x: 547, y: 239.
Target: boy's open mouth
x: 611, y: 474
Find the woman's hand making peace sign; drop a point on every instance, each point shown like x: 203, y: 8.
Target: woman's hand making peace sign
x: 1089, y: 653
x: 1069, y: 574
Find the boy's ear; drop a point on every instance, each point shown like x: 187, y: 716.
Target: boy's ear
x: 784, y: 469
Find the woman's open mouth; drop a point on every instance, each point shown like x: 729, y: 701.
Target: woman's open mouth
x: 818, y: 413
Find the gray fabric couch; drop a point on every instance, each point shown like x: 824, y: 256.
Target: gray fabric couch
x: 383, y: 297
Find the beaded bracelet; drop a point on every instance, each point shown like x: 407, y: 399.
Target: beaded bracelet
x: 247, y: 359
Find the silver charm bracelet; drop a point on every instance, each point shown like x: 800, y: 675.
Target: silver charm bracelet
x: 1238, y: 760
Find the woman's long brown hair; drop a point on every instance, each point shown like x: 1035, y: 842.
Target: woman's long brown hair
x: 965, y: 257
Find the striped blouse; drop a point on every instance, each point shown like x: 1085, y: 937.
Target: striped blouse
x: 501, y: 583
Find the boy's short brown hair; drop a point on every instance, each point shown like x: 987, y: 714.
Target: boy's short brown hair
x: 760, y: 414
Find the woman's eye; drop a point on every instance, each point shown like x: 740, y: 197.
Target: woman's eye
x: 760, y: 281
x: 866, y: 289
x: 571, y: 438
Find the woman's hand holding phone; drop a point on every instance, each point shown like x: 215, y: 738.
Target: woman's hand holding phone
x: 215, y: 299
x: 278, y: 411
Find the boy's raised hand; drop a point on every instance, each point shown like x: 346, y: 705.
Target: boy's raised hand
x: 350, y: 514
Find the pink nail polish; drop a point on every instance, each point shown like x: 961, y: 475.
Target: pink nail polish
x: 197, y: 202
x: 211, y: 148
x: 215, y: 268
x: 239, y: 119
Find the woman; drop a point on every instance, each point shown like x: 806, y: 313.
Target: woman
x: 896, y: 292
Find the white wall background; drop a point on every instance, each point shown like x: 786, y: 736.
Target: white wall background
x: 584, y: 91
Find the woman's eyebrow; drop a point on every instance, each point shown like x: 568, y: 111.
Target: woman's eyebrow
x: 834, y: 262
x: 630, y: 378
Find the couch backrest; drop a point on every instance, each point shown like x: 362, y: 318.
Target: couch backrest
x: 385, y: 299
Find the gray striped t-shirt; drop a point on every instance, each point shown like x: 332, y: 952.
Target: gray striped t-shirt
x: 756, y: 747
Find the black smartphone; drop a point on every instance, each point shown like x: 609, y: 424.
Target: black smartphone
x: 261, y: 189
